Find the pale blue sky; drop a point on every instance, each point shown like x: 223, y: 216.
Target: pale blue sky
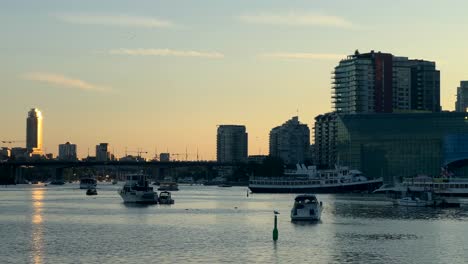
x: 200, y: 64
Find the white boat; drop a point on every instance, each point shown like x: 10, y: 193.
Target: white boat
x: 310, y: 180
x: 165, y: 198
x: 137, y: 190
x: 88, y: 183
x: 414, y: 202
x: 306, y: 208
x: 168, y: 186
x: 440, y: 186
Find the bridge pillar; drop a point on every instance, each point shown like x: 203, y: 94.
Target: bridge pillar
x: 7, y: 174
x: 58, y: 174
x: 19, y: 177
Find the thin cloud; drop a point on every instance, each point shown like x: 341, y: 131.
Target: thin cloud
x: 302, y: 55
x: 64, y: 81
x: 297, y: 19
x: 167, y: 52
x: 115, y: 20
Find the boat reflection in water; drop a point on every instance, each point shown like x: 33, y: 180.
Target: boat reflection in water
x: 37, y: 233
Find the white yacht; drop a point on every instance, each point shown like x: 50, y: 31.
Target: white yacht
x: 137, y: 190
x: 88, y: 183
x: 306, y: 208
x: 309, y: 179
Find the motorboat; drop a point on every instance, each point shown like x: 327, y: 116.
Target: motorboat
x: 137, y: 190
x: 114, y: 181
x: 57, y: 182
x: 306, y: 208
x: 309, y: 179
x: 88, y: 183
x: 168, y: 186
x: 165, y: 198
x: 413, y: 202
x: 91, y: 191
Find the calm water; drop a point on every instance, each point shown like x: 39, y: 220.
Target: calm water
x: 212, y: 225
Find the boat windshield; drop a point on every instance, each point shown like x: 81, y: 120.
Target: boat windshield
x: 306, y: 199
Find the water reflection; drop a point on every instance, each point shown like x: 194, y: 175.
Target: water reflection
x: 37, y: 239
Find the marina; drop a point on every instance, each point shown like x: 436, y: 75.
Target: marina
x: 209, y: 224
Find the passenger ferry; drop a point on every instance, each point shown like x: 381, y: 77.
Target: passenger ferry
x: 137, y: 190
x: 310, y: 180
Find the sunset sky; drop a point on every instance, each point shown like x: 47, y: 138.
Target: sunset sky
x: 161, y: 75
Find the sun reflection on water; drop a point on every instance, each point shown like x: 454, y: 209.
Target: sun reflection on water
x: 37, y: 239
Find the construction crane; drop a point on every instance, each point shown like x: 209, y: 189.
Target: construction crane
x: 138, y: 152
x: 11, y: 141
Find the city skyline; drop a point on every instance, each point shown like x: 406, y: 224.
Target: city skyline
x: 155, y: 77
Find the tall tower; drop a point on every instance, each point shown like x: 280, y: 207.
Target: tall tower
x: 34, y: 131
x: 231, y: 143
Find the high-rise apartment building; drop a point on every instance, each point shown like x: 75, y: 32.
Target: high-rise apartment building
x: 102, y: 152
x: 67, y: 151
x: 34, y: 132
x: 461, y: 104
x: 325, y: 139
x: 378, y: 82
x: 290, y: 141
x: 231, y: 143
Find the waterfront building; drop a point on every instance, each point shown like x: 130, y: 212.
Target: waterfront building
x: 102, y: 152
x: 67, y: 151
x: 231, y: 143
x: 378, y: 82
x: 34, y: 132
x: 400, y: 145
x: 290, y: 141
x: 461, y: 104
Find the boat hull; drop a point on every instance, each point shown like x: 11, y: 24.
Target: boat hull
x: 140, y: 198
x: 336, y: 188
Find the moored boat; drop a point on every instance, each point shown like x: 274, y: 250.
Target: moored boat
x: 168, y: 186
x: 306, y: 208
x: 88, y: 183
x: 137, y: 190
x: 440, y: 186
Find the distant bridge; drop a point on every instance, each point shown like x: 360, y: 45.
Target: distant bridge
x: 13, y: 168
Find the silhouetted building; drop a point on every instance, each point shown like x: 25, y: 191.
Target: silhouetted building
x: 290, y: 141
x: 231, y: 143
x: 461, y: 104
x: 5, y: 153
x: 102, y: 152
x: 67, y: 151
x: 325, y: 139
x: 164, y: 157
x: 378, y: 82
x: 19, y: 153
x: 34, y: 132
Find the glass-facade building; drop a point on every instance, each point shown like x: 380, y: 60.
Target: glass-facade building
x: 396, y: 145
